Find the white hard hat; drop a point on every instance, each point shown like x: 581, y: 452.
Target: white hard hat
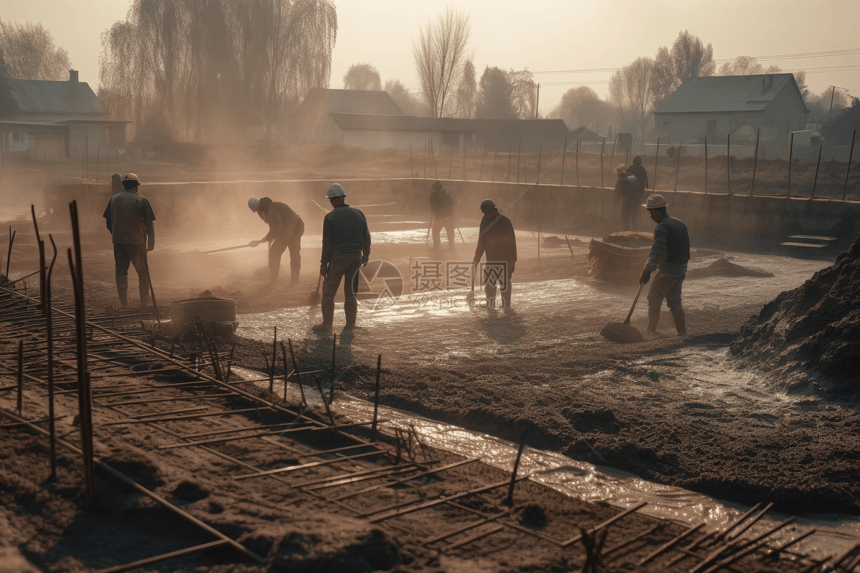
x: 253, y: 203
x: 335, y: 190
x: 655, y: 201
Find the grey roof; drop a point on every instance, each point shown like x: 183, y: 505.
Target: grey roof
x: 49, y: 97
x: 728, y: 93
x: 582, y: 133
x: 351, y: 101
x: 544, y: 128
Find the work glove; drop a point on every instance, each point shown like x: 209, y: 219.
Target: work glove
x: 646, y: 276
x: 255, y: 243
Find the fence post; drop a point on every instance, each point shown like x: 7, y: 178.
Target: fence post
x: 848, y: 169
x: 817, y: 165
x: 563, y: 155
x: 677, y: 168
x: 656, y: 160
x: 540, y: 152
x: 612, y: 155
x: 755, y: 161
x: 425, y: 159
x: 464, y: 159
x: 508, y: 176
x: 706, y: 166
x: 729, y: 163
x: 519, y: 148
x: 602, y: 149
x: 577, y: 162
x: 451, y: 161
x: 790, y: 155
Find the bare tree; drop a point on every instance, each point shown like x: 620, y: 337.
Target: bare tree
x: 579, y: 106
x: 438, y: 54
x: 747, y: 66
x: 630, y: 90
x: 688, y: 58
x: 467, y: 91
x: 362, y: 77
x: 523, y: 93
x: 30, y: 54
x: 406, y: 100
x: 183, y: 66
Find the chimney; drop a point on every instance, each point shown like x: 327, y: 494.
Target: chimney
x: 73, y: 76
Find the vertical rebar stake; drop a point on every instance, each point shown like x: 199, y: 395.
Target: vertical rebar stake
x: 848, y: 168
x: 286, y: 370
x: 20, y: 377
x: 274, y: 361
x: 817, y: 165
x: 296, y: 369
x: 50, y: 329
x: 563, y: 157
x: 376, y: 397
x: 333, y: 356
x: 509, y: 501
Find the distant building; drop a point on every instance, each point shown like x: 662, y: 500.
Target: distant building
x: 372, y: 120
x: 584, y: 135
x: 717, y: 106
x: 52, y: 120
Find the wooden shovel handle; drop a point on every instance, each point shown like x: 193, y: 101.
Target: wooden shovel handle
x: 635, y: 300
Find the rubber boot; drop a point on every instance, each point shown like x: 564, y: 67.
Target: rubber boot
x: 653, y: 318
x: 295, y: 269
x: 145, y: 301
x: 680, y: 320
x: 506, y: 298
x: 351, y: 312
x: 123, y: 297
x: 328, y: 318
x: 490, y: 292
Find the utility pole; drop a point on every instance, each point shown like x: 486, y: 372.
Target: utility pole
x: 830, y: 113
x: 537, y: 102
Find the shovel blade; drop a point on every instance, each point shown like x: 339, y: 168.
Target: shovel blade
x: 621, y: 332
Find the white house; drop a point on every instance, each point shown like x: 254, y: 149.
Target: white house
x: 719, y: 106
x: 51, y: 120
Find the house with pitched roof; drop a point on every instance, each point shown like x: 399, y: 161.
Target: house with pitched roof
x: 54, y: 120
x: 715, y: 107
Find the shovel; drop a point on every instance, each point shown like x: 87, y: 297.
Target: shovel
x: 227, y: 249
x: 622, y: 331
x: 315, y: 295
x: 471, y: 294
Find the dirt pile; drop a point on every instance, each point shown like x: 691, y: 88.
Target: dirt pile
x: 809, y: 338
x: 723, y: 267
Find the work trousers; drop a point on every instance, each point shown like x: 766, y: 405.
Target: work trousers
x: 629, y: 213
x: 281, y: 244
x: 668, y: 288
x: 346, y: 267
x: 125, y: 255
x: 494, y: 276
x: 438, y: 224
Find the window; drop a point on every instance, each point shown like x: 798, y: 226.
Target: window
x: 712, y: 129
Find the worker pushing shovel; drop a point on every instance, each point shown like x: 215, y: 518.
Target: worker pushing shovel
x: 669, y: 255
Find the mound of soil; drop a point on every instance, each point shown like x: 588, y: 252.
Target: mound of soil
x: 809, y: 338
x: 723, y: 267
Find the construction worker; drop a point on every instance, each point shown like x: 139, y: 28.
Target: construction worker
x: 130, y: 220
x: 639, y: 172
x: 669, y: 255
x: 627, y: 193
x: 442, y: 212
x: 345, y: 249
x: 116, y: 183
x: 496, y: 237
x: 285, y: 231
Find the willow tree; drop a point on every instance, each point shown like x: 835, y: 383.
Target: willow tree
x: 193, y: 65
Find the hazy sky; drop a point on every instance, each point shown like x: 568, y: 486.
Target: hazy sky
x: 540, y: 35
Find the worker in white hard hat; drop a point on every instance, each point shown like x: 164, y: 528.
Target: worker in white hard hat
x: 130, y: 220
x: 285, y: 231
x: 442, y: 214
x: 496, y: 237
x: 669, y: 255
x: 345, y: 248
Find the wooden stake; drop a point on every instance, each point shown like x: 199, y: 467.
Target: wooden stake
x: 656, y: 161
x: 755, y: 161
x: 509, y: 500
x: 602, y: 149
x: 848, y: 169
x: 376, y: 397
x: 790, y: 156
x: 677, y: 168
x: 563, y: 156
x: 706, y: 166
x: 540, y: 152
x: 817, y: 165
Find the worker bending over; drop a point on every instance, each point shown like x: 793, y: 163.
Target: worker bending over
x: 130, y: 220
x: 345, y: 249
x: 285, y: 231
x: 669, y: 255
x: 627, y: 193
x: 496, y: 237
x: 442, y: 212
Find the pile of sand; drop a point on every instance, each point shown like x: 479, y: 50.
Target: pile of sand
x: 809, y: 338
x: 723, y: 267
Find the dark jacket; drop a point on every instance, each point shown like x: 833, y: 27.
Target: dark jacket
x: 129, y: 218
x: 625, y: 189
x: 441, y: 204
x: 345, y: 232
x: 283, y: 221
x: 497, y: 239
x: 639, y: 172
x: 671, y: 249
